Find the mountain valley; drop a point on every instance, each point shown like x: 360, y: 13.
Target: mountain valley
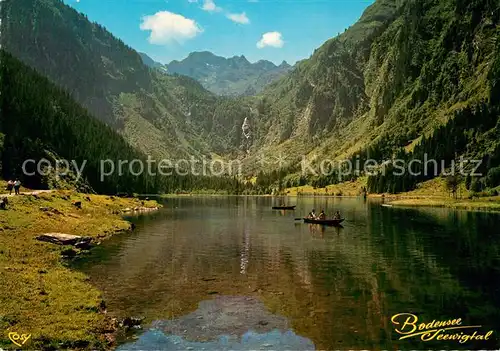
x: 389, y: 85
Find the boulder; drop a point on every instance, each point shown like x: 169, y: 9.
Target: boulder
x: 83, y: 245
x: 110, y: 338
x: 51, y: 210
x: 63, y: 239
x: 140, y: 209
x: 131, y: 322
x: 69, y: 253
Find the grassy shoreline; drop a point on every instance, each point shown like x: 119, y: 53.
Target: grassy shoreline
x: 41, y: 294
x: 409, y: 199
x: 459, y: 204
x: 432, y: 193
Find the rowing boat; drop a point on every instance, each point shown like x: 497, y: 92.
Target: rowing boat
x: 284, y: 207
x: 324, y: 221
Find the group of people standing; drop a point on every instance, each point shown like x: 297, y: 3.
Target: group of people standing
x: 14, y: 185
x: 322, y: 215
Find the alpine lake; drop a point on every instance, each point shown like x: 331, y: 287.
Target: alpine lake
x: 230, y: 273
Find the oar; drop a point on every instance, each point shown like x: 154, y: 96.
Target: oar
x: 299, y: 219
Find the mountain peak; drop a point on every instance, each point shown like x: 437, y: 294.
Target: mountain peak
x: 265, y: 65
x: 284, y: 64
x: 240, y: 59
x: 201, y: 54
x: 148, y: 61
x: 227, y: 76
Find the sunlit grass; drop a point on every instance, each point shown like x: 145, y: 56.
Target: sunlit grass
x: 40, y: 294
x: 487, y: 204
x: 3, y: 186
x: 342, y: 189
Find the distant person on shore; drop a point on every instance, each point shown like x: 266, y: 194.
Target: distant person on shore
x: 10, y: 186
x: 17, y: 186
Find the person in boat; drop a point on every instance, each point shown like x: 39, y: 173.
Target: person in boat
x: 337, y: 215
x: 312, y: 214
x: 322, y: 215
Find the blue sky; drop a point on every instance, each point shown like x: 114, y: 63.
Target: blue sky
x: 274, y: 30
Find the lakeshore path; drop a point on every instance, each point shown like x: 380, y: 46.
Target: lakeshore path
x: 35, y: 192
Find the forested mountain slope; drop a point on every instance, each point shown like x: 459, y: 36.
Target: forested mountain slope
x: 402, y: 71
x: 228, y: 76
x: 162, y: 115
x: 39, y: 120
x: 42, y: 121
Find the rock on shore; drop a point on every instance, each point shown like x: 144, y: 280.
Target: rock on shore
x: 140, y: 209
x: 64, y: 239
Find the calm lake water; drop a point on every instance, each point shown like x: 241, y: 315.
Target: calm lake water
x: 230, y: 273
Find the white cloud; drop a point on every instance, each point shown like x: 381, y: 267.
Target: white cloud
x: 166, y: 27
x: 273, y: 39
x: 239, y: 18
x: 209, y: 5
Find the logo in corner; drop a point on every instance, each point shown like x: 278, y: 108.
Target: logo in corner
x: 407, y: 325
x: 18, y: 339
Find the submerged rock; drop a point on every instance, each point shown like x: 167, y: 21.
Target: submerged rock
x: 224, y: 315
x: 273, y: 340
x: 131, y: 322
x: 224, y: 323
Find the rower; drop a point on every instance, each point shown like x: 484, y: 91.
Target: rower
x: 312, y: 214
x: 322, y: 215
x: 337, y: 215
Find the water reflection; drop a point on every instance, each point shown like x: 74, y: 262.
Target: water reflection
x: 337, y: 287
x: 224, y: 323
x: 246, y: 251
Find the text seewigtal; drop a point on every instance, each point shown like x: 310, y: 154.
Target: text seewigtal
x: 408, y: 325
